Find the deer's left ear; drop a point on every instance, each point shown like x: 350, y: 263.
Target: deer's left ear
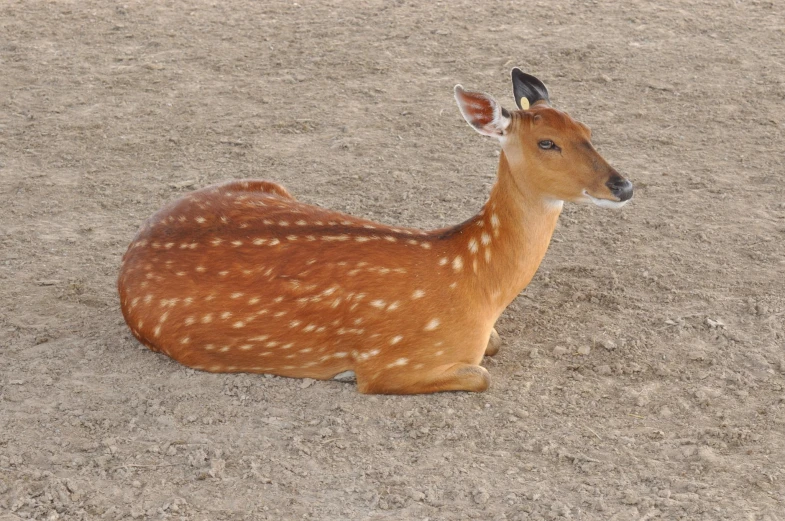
x: 528, y: 90
x: 482, y: 112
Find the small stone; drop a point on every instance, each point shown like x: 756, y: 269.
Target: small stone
x: 688, y: 451
x: 559, y: 351
x: 584, y: 350
x: 604, y: 370
x: 714, y: 323
x: 416, y: 495
x: 610, y: 345
x: 481, y: 496
x: 217, y: 468
x: 665, y: 412
x: 708, y: 456
x: 630, y: 497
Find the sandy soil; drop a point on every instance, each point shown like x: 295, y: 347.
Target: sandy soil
x: 643, y: 371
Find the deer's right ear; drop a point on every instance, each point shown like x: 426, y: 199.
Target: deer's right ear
x: 482, y: 112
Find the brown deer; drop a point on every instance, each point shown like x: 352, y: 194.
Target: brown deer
x: 242, y: 277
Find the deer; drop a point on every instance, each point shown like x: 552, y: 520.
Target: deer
x: 242, y: 277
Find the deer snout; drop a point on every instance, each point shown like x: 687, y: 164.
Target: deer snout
x: 620, y: 187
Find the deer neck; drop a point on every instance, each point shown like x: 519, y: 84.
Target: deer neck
x: 507, y: 239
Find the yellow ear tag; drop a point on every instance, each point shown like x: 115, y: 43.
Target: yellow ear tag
x: 524, y: 104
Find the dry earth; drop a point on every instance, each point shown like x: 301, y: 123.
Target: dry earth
x: 643, y: 371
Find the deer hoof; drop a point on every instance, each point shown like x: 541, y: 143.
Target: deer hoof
x: 494, y: 343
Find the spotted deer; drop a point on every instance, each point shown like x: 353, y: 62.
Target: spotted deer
x: 242, y: 277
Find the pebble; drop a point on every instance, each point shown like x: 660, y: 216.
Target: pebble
x: 708, y: 456
x: 480, y: 496
x: 559, y: 351
x: 584, y: 350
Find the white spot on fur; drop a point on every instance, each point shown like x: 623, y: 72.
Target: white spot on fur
x: 378, y: 303
x: 398, y: 363
x: 473, y: 245
x: 394, y: 340
x: 457, y: 263
x: 433, y: 324
x: 418, y: 293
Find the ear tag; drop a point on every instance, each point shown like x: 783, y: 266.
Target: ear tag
x: 524, y: 102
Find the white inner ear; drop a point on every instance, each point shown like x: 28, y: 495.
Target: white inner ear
x: 496, y: 127
x: 499, y: 124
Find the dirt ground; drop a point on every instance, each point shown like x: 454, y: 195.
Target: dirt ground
x: 642, y: 375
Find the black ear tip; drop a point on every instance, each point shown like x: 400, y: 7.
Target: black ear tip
x: 529, y: 87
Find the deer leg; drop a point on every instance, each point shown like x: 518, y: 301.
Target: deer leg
x: 494, y: 343
x: 449, y: 377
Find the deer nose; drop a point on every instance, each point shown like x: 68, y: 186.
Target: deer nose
x: 620, y: 187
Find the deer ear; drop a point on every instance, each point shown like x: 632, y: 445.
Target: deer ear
x: 528, y: 90
x: 482, y: 112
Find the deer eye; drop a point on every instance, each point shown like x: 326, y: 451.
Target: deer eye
x: 547, y: 144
